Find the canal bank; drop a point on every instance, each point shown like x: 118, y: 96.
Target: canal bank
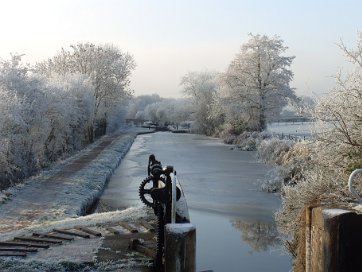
x: 234, y: 218
x: 55, y: 200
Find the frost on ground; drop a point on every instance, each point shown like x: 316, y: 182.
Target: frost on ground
x: 130, y: 215
x: 65, y: 190
x: 79, y: 255
x: 56, y: 198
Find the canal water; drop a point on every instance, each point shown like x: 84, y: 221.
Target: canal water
x: 233, y: 217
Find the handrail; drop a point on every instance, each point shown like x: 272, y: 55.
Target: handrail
x: 351, y: 189
x: 173, y: 201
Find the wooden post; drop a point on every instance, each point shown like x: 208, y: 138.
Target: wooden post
x: 308, y: 233
x: 180, y: 248
x: 335, y: 240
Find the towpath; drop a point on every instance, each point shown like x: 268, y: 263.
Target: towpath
x: 67, y: 188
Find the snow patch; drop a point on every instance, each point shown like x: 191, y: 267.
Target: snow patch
x: 180, y: 229
x: 131, y: 215
x: 330, y: 213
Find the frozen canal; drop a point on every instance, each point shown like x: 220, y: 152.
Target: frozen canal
x: 234, y: 219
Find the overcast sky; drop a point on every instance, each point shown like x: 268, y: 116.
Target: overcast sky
x: 169, y: 38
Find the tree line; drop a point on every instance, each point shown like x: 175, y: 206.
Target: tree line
x: 58, y: 106
x: 253, y: 91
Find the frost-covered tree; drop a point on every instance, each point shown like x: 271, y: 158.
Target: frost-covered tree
x: 257, y: 81
x: 137, y: 105
x: 70, y: 113
x: 202, y: 88
x: 163, y: 111
x: 335, y: 152
x: 12, y: 130
x: 305, y: 105
x: 22, y: 125
x: 107, y: 66
x: 43, y: 118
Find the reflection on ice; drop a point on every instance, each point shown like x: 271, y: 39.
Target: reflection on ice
x: 220, y: 185
x: 260, y: 235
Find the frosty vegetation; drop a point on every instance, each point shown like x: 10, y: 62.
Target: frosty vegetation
x: 316, y: 172
x: 161, y: 111
x: 251, y: 92
x: 58, y: 106
x: 237, y: 104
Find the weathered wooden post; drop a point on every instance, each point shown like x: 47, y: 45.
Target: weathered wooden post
x: 333, y: 237
x: 333, y: 240
x: 180, y: 247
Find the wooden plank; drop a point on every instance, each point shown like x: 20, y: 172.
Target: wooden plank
x: 39, y: 240
x: 77, y: 233
x: 19, y: 249
x: 148, y: 226
x: 136, y: 245
x: 128, y: 227
x: 145, y: 250
x: 14, y: 243
x: 12, y: 254
x: 113, y: 230
x: 89, y: 231
x: 54, y: 236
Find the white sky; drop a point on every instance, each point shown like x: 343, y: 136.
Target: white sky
x: 169, y: 38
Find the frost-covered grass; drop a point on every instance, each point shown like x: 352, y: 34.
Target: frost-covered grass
x: 272, y: 150
x: 246, y: 141
x: 73, y: 198
x: 277, y: 152
x: 87, y: 184
x: 281, y: 153
x: 77, y: 191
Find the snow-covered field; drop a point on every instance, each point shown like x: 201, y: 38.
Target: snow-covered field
x: 296, y: 129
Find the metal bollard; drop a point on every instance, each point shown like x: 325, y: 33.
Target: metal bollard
x: 180, y: 248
